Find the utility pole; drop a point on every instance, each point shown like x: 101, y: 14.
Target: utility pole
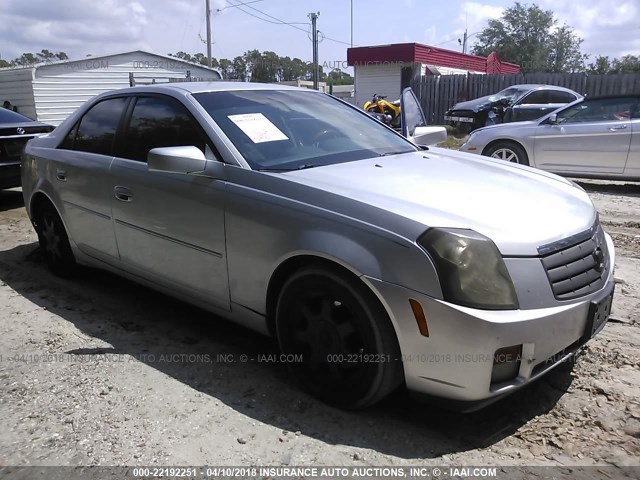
x: 208, y: 34
x: 464, y: 42
x: 351, y: 23
x: 314, y: 40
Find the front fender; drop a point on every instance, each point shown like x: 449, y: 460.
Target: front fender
x: 261, y: 238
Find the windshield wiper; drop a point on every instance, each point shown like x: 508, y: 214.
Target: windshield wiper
x: 301, y: 167
x: 387, y: 154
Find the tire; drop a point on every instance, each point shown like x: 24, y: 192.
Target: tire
x: 331, y: 321
x: 54, y: 241
x: 507, y: 151
x: 395, y: 120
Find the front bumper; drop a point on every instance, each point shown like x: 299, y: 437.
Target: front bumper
x: 457, y: 118
x: 456, y: 360
x: 10, y: 175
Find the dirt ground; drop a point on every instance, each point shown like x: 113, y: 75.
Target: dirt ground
x: 99, y: 371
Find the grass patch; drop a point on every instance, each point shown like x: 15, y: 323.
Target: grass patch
x: 453, y: 142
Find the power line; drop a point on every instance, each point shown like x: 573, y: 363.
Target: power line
x: 276, y: 20
x: 231, y: 6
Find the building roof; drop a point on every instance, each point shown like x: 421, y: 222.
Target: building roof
x: 96, y: 57
x: 425, y: 54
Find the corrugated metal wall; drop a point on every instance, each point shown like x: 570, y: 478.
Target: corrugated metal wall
x: 383, y: 79
x: 15, y: 86
x: 59, y: 89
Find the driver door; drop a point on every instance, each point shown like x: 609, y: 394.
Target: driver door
x: 414, y: 124
x: 593, y: 136
x: 169, y: 227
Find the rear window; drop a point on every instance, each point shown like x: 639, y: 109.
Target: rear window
x: 7, y: 116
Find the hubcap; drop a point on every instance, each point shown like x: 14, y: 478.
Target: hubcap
x: 505, y: 154
x: 324, y: 326
x: 51, y: 239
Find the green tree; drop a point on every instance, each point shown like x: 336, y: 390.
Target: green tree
x: 601, y: 65
x: 338, y: 77
x: 25, y: 59
x: 529, y: 36
x: 625, y: 64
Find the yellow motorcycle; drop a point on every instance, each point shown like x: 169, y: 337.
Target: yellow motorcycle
x: 387, y: 112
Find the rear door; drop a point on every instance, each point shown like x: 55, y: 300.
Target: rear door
x: 169, y: 227
x: 592, y: 136
x: 80, y: 175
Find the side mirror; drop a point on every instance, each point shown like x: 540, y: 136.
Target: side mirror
x: 553, y: 119
x: 428, y: 135
x: 184, y: 160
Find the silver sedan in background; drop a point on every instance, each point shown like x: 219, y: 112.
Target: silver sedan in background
x: 375, y: 262
x: 590, y: 138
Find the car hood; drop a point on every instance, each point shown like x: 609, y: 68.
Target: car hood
x: 502, y: 126
x: 518, y: 207
x: 475, y: 105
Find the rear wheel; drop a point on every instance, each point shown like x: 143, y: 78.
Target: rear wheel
x: 509, y: 152
x: 54, y: 241
x: 346, y: 348
x: 395, y: 120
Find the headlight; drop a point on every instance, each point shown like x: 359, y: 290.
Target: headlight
x: 471, y: 269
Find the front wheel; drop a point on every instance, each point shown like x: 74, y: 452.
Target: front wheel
x: 54, y: 241
x: 509, y: 152
x: 341, y: 337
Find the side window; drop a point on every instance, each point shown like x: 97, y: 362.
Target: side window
x: 98, y: 126
x: 160, y: 122
x: 598, y: 110
x: 556, y: 96
x: 539, y: 97
x: 67, y: 143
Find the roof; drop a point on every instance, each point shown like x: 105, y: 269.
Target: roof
x: 426, y: 54
x: 541, y: 86
x: 201, y: 87
x: 94, y: 57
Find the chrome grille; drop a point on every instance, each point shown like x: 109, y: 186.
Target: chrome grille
x: 577, y: 267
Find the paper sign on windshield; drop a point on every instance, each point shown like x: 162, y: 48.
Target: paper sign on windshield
x: 258, y: 127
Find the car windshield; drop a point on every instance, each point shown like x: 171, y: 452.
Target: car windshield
x: 285, y: 130
x: 511, y: 93
x: 8, y: 116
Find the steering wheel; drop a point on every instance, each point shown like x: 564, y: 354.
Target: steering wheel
x: 324, y: 135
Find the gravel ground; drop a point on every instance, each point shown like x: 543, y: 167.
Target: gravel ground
x: 99, y: 371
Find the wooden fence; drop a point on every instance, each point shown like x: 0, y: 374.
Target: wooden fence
x: 438, y: 93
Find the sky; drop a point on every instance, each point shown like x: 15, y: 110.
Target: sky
x: 90, y: 27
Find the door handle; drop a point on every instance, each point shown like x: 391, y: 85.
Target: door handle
x: 619, y: 127
x: 61, y: 174
x: 123, y: 194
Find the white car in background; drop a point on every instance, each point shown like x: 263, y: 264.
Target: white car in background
x: 590, y: 138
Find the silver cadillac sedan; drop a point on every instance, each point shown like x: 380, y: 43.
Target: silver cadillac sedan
x: 374, y: 261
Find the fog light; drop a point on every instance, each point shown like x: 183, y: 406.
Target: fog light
x: 506, y: 364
